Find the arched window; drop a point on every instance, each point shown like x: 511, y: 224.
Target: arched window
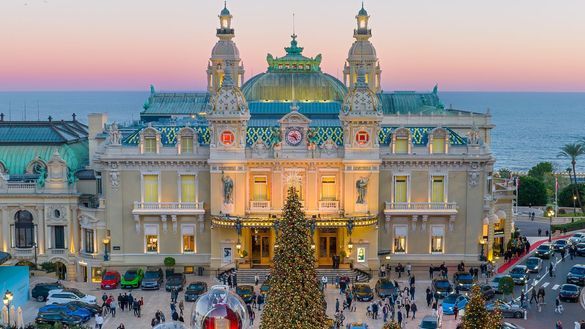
x: 24, y: 229
x: 149, y: 140
x: 186, y: 140
x: 37, y: 167
x: 3, y: 169
x: 401, y: 141
x: 438, y: 141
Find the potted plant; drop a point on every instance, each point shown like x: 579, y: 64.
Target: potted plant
x: 169, y: 263
x: 345, y: 263
x: 244, y: 262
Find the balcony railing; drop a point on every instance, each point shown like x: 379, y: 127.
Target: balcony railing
x: 259, y: 205
x: 421, y: 208
x: 168, y: 207
x: 328, y: 206
x: 57, y: 251
x: 20, y: 187
x: 23, y: 252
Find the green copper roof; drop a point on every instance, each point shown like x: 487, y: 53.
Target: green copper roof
x: 16, y: 158
x: 175, y: 103
x: 26, y: 132
x: 411, y: 102
x: 293, y: 61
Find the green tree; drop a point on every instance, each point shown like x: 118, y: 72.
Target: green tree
x: 566, y: 194
x: 476, y: 316
x: 505, y: 173
x: 572, y: 151
x: 540, y: 170
x: 295, y: 300
x: 506, y: 285
x: 531, y: 192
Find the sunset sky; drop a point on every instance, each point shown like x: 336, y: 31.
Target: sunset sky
x: 463, y: 45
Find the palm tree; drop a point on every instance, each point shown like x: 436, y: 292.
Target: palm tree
x: 573, y: 151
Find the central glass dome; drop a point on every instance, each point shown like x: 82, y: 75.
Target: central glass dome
x: 310, y: 84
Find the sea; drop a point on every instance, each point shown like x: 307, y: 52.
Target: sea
x: 529, y: 127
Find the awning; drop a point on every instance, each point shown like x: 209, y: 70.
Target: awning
x: 259, y: 222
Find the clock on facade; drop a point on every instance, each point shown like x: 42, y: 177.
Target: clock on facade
x: 362, y: 137
x: 294, y: 137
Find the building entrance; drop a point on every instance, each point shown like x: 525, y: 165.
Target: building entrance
x: 327, y: 247
x: 261, y: 247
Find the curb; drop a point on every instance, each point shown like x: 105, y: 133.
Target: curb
x: 582, y: 299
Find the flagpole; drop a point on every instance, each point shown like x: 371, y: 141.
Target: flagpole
x: 556, y: 195
x: 517, y: 183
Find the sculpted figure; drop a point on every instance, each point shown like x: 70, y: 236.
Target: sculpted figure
x: 362, y: 188
x: 228, y: 188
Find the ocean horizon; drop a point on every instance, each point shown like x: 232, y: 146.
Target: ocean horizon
x: 530, y: 127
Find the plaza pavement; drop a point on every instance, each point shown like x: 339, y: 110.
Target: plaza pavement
x: 160, y: 300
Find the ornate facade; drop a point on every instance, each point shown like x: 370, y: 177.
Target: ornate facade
x: 383, y: 177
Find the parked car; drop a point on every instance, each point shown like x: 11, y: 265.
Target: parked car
x: 430, y: 322
x: 576, y: 275
x: 534, y: 264
x: 93, y: 308
x: 132, y: 278
x: 495, y: 283
x: 52, y: 318
x: 194, y: 290
x: 153, y: 279
x: 580, y: 249
x: 487, y: 291
x: 577, y: 237
x: 68, y: 309
x: 454, y: 299
x: 246, y: 292
x: 385, y: 288
x: 519, y: 274
x: 543, y: 251
x: 508, y: 325
x: 110, y: 280
x: 363, y: 292
x: 463, y: 280
x: 559, y: 245
x: 569, y: 292
x: 66, y: 295
x: 357, y: 325
x: 508, y: 310
x: 441, y: 287
x: 41, y: 290
x: 175, y: 281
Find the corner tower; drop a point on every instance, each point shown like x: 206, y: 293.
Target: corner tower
x: 225, y: 52
x: 362, y: 53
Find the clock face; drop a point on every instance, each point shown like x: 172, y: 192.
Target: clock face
x: 294, y: 137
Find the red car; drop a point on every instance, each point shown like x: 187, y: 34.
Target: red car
x: 110, y: 280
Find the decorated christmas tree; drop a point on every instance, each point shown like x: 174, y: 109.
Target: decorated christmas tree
x: 477, y: 316
x: 295, y: 300
x: 391, y: 325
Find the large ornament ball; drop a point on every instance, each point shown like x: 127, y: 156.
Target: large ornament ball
x: 220, y: 308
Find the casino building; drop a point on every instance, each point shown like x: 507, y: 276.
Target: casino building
x: 383, y: 177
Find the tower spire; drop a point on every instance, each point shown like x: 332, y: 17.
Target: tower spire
x: 294, y: 24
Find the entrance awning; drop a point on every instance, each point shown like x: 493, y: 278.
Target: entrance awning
x: 259, y: 222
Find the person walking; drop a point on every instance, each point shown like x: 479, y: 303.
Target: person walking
x: 563, y: 252
x: 429, y: 297
x: 336, y: 305
x: 413, y: 309
x: 113, y: 306
x: 181, y: 307
x: 412, y: 290
x: 539, y: 232
x: 256, y: 280
x: 455, y: 311
x: 99, y: 321
x: 408, y: 269
x: 252, y: 317
x: 550, y: 269
x: 121, y: 326
x: 407, y: 309
x: 324, y: 281
x: 533, y: 296
x: 399, y: 318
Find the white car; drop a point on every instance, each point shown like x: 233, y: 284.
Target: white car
x: 577, y: 237
x: 64, y: 296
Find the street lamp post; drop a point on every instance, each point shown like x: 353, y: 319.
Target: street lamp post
x: 35, y: 246
x: 550, y: 214
x: 106, y: 242
x: 7, y: 300
x: 574, y: 208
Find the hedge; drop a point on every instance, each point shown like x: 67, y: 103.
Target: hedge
x: 578, y: 225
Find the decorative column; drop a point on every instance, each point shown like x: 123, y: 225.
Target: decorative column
x: 41, y: 234
x: 137, y: 222
x: 163, y: 218
x: 5, y: 229
x: 201, y: 219
x: 452, y: 219
x: 387, y: 219
x: 75, y: 244
x: 490, y: 241
x: 414, y: 220
x: 174, y: 221
x: 423, y: 227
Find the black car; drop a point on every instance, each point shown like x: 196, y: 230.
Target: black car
x: 246, y: 292
x: 534, y: 264
x: 576, y: 275
x: 93, y: 308
x: 519, y: 274
x: 580, y: 249
x: 194, y: 290
x: 175, y: 281
x: 487, y: 291
x: 569, y: 292
x: 41, y: 290
x: 363, y: 292
x: 52, y: 318
x: 153, y: 279
x: 441, y: 287
x: 385, y: 288
x: 543, y: 251
x: 463, y: 280
x: 559, y: 245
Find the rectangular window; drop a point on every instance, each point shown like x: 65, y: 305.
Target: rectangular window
x: 149, y: 144
x: 150, y: 188
x: 260, y: 188
x: 438, y: 189
x: 401, y: 145
x: 400, y: 189
x: 188, y: 234
x: 59, y: 237
x: 328, y: 192
x: 98, y: 182
x: 187, y: 144
x: 400, y: 237
x: 187, y: 188
x: 88, y: 241
x: 151, y: 238
x: 437, y: 239
x: 438, y: 145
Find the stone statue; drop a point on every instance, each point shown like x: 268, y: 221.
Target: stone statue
x: 473, y: 136
x: 312, y: 136
x: 228, y: 188
x: 115, y: 135
x: 115, y: 180
x: 275, y: 136
x: 362, y: 188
